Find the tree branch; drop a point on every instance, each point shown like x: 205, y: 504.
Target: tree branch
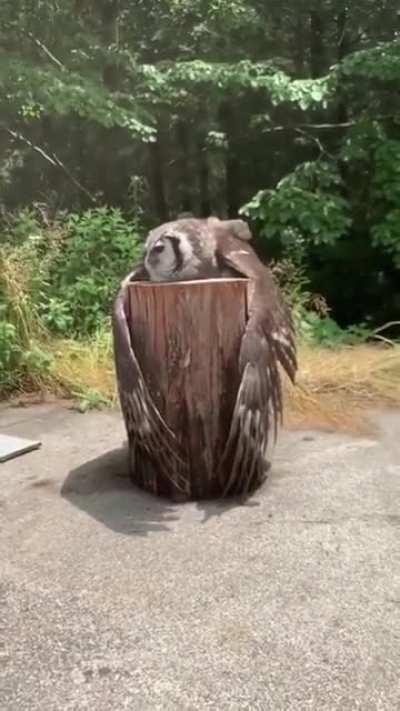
x: 53, y: 159
x: 315, y: 140
x: 73, y: 179
x: 321, y: 126
x: 299, y: 126
x: 46, y: 51
x: 390, y: 324
x: 18, y: 136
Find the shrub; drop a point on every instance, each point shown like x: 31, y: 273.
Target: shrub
x: 57, y: 277
x: 313, y: 323
x: 98, y: 249
x: 347, y: 239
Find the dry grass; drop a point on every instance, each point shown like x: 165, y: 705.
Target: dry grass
x: 335, y: 388
x: 338, y: 388
x: 14, y: 286
x: 80, y: 368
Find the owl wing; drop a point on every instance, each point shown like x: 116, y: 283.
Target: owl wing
x: 145, y: 426
x: 267, y: 342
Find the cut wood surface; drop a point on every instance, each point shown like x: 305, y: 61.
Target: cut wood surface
x: 186, y: 336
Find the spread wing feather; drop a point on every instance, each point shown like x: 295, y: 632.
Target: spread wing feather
x: 145, y: 426
x: 268, y: 341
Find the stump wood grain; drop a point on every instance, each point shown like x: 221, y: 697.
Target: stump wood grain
x: 186, y: 336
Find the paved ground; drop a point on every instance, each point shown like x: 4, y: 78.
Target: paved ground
x: 112, y: 600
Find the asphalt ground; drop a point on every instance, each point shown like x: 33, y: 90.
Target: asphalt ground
x: 111, y: 599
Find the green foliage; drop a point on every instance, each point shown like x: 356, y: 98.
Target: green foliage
x: 10, y: 352
x: 382, y: 62
x: 386, y: 194
x: 56, y: 315
x: 57, y: 280
x: 324, y: 331
x: 305, y: 208
x: 180, y: 81
x: 97, y: 250
x: 66, y: 274
x: 194, y: 105
x: 387, y: 235
x: 31, y: 92
x: 310, y: 311
x: 20, y: 363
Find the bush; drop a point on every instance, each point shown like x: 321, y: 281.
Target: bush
x: 310, y: 311
x: 347, y: 240
x: 57, y: 277
x: 98, y: 249
x: 75, y: 264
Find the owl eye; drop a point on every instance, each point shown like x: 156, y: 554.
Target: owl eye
x: 158, y: 248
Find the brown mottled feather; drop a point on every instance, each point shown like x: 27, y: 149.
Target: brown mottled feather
x: 144, y: 423
x: 267, y: 341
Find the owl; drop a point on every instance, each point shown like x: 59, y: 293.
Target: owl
x: 190, y: 249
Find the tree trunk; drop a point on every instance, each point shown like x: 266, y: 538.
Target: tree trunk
x: 186, y: 337
x: 299, y: 47
x: 109, y: 12
x: 342, y: 50
x: 317, y: 47
x: 232, y: 165
x: 341, y: 108
x: 183, y: 165
x: 204, y: 179
x: 156, y: 178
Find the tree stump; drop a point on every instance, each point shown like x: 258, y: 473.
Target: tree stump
x: 186, y: 337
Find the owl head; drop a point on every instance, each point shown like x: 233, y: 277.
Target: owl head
x: 186, y: 248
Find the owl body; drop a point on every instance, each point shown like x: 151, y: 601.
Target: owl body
x: 191, y: 249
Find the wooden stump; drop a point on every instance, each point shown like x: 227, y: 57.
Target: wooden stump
x: 186, y: 336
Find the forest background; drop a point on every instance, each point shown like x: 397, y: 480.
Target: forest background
x: 116, y: 116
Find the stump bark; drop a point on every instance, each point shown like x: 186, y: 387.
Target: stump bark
x: 187, y: 336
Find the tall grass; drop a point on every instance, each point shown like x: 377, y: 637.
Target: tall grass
x: 337, y: 388
x: 85, y: 370
x: 24, y: 359
x: 56, y: 284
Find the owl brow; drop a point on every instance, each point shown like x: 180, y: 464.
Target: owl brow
x: 175, y: 242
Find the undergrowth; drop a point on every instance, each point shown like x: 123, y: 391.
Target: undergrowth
x: 57, y: 280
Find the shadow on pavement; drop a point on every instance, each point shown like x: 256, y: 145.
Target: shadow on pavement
x: 102, y: 488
